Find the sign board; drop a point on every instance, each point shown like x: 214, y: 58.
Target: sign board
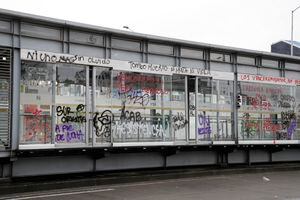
x: 49, y: 57
x: 267, y: 79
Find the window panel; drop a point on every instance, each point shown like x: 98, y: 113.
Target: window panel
x: 270, y: 72
x: 247, y: 69
x: 214, y: 120
x: 160, y: 49
x: 70, y: 123
x: 40, y: 31
x: 292, y: 66
x: 224, y: 67
x: 126, y: 44
x: 269, y: 63
x: 191, y: 53
x: 178, y: 103
x: 246, y: 60
x: 267, y: 112
x: 87, y: 38
x: 292, y: 75
x: 137, y: 107
x: 35, y: 103
x: 5, y: 26
x: 192, y: 63
x: 221, y: 57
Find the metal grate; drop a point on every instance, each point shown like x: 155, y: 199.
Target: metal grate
x: 5, y: 83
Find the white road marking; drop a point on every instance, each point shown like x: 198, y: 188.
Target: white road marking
x: 96, y: 188
x: 60, y: 194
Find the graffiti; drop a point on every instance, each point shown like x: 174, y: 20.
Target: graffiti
x: 136, y: 130
x: 292, y: 128
x: 261, y: 89
x: 204, y: 125
x: 102, y: 123
x: 71, y: 116
x: 148, y: 67
x: 45, y: 57
x: 192, y: 107
x: 259, y: 102
x: 136, y: 97
x: 103, y: 79
x: 266, y: 79
x: 286, y: 101
x: 287, y: 117
x: 37, y: 128
x: 268, y: 125
x: 67, y: 133
x: 129, y: 115
x: 134, y: 78
x: 37, y: 112
x: 178, y: 121
x: 250, y: 126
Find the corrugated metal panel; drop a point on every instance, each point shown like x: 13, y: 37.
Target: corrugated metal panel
x: 5, y: 72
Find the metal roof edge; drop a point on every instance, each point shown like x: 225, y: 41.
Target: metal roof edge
x: 142, y: 35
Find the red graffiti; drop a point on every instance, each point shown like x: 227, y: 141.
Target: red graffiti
x: 259, y: 102
x: 268, y: 125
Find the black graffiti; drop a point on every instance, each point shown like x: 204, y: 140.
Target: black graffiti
x: 102, y: 123
x: 103, y: 79
x: 136, y: 97
x: 71, y: 116
x: 178, y: 121
x: 287, y: 98
x: 192, y: 107
x: 44, y: 57
x: 286, y: 101
x: 127, y: 116
x: 287, y: 117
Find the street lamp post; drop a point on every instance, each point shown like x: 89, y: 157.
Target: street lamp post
x: 292, y: 32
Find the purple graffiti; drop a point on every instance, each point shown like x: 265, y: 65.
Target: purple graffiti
x: 292, y: 128
x: 67, y: 133
x: 204, y: 125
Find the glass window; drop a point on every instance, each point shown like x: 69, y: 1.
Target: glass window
x: 70, y: 123
x: 269, y: 63
x: 267, y: 112
x: 246, y: 60
x: 103, y: 118
x: 125, y: 44
x: 40, y: 31
x: 36, y: 103
x: 214, y: 109
x: 191, y: 53
x: 221, y: 57
x: 292, y: 66
x: 87, y: 38
x: 5, y: 26
x: 160, y: 49
x: 178, y: 103
x: 137, y: 107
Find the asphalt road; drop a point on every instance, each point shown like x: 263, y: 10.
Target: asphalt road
x: 268, y: 185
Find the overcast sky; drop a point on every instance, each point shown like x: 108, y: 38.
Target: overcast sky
x: 250, y: 24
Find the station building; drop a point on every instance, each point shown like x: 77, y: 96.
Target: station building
x: 81, y: 98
